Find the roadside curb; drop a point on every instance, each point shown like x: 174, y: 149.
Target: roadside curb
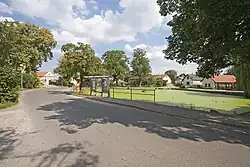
x: 241, y: 126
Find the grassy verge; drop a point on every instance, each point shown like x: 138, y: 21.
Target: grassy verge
x: 180, y: 97
x: 6, y: 105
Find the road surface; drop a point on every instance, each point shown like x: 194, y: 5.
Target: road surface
x: 50, y: 128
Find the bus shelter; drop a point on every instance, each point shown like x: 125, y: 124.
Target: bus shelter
x: 97, y: 82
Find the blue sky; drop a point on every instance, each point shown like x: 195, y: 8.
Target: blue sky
x: 104, y: 24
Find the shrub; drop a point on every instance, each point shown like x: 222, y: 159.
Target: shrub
x: 9, y: 85
x: 63, y: 82
x: 30, y: 80
x: 159, y: 82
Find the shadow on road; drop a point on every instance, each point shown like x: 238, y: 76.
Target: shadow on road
x: 59, y: 92
x: 61, y: 155
x: 83, y: 113
x: 8, y: 141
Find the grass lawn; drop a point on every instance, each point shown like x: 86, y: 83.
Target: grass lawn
x: 197, y: 99
x: 6, y: 105
x: 200, y: 99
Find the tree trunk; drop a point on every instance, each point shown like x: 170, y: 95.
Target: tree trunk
x: 81, y: 83
x: 244, y: 79
x: 140, y: 83
x: 115, y: 80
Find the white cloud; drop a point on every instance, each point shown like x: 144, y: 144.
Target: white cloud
x: 128, y: 49
x: 63, y: 37
x: 4, y: 8
x: 137, y: 16
x: 157, y: 61
x: 51, y: 10
x: 6, y: 18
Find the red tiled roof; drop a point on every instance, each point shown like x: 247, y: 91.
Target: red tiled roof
x: 41, y: 74
x: 224, y: 79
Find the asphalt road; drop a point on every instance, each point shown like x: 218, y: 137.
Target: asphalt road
x: 50, y: 128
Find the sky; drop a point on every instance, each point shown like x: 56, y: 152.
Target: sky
x: 104, y: 24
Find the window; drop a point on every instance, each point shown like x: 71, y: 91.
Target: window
x: 209, y: 85
x: 205, y: 85
x: 187, y: 77
x: 188, y: 83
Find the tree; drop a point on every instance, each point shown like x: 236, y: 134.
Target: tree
x: 172, y: 74
x: 230, y: 71
x: 116, y: 64
x: 30, y: 80
x: 214, y: 34
x: 25, y: 43
x: 9, y: 84
x: 140, y: 65
x: 78, y: 61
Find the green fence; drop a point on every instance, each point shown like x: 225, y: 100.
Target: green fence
x: 134, y: 94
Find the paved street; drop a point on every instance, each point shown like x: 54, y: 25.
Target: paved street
x: 50, y: 128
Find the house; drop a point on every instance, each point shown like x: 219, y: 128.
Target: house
x: 46, y: 77
x: 191, y: 80
x: 179, y: 79
x: 226, y: 82
x: 164, y: 77
x: 208, y: 83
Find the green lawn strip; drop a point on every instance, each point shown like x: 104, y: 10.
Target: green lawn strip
x: 6, y: 105
x: 197, y: 99
x: 147, y: 95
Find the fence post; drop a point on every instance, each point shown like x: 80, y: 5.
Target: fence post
x: 131, y: 94
x: 113, y: 92
x: 154, y: 95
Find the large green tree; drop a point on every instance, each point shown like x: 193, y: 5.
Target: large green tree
x: 9, y: 84
x: 172, y: 74
x: 78, y: 61
x: 214, y: 34
x: 140, y: 65
x: 21, y: 44
x: 116, y: 64
x: 26, y: 44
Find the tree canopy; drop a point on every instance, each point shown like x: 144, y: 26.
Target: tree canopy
x: 22, y: 44
x: 116, y: 64
x: 78, y: 61
x: 26, y: 44
x: 140, y: 64
x: 214, y: 34
x: 172, y: 74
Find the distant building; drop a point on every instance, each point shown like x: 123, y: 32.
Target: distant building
x: 164, y: 77
x: 179, y: 79
x: 226, y: 82
x: 191, y: 80
x: 46, y: 77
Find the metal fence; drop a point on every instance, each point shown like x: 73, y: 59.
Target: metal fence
x: 132, y: 93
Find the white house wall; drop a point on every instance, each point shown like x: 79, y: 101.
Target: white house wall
x: 167, y: 79
x: 48, y: 77
x: 207, y: 82
x: 187, y: 80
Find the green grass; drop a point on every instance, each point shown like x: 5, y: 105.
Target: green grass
x: 6, y: 105
x: 200, y: 99
x: 180, y: 97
